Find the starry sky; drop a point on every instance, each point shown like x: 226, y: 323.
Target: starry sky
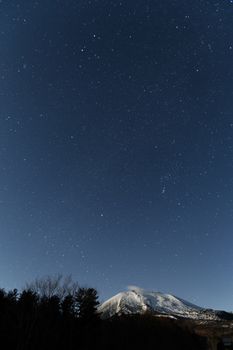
x: 116, y: 145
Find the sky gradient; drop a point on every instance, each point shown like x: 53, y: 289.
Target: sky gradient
x: 116, y: 145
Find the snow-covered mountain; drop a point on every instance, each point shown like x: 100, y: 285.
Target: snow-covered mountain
x: 139, y: 301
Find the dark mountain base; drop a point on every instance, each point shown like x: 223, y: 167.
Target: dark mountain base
x: 149, y: 332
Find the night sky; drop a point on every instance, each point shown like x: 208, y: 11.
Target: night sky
x: 116, y: 145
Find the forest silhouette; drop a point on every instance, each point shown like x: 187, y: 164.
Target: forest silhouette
x: 56, y: 313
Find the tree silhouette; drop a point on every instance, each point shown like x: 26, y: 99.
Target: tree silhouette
x: 49, y: 286
x: 87, y: 303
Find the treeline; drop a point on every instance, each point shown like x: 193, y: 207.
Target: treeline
x: 55, y: 313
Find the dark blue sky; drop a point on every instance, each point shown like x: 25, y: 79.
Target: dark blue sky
x: 116, y: 145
